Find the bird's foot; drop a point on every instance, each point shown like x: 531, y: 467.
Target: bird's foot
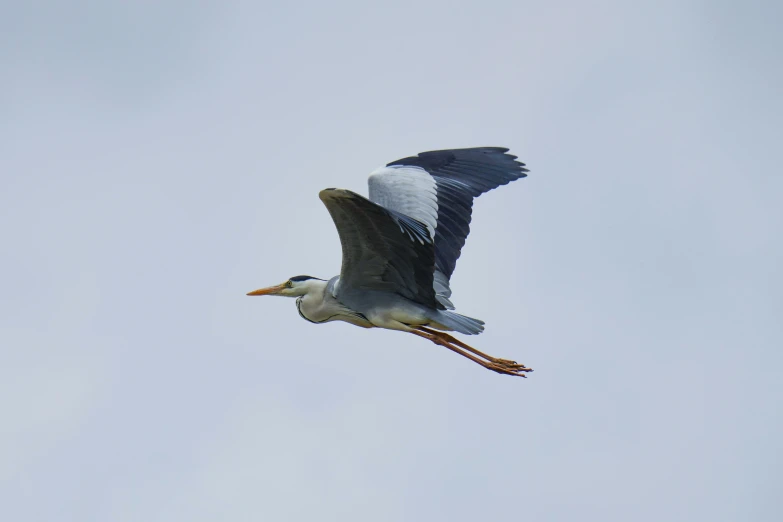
x: 508, y: 367
x: 511, y: 365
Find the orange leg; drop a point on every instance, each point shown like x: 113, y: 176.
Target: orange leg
x: 491, y: 363
x: 448, y: 338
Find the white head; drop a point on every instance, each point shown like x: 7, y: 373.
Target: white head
x: 294, y: 287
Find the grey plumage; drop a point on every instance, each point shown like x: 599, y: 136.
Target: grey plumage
x: 438, y: 189
x: 382, y: 249
x: 400, y: 247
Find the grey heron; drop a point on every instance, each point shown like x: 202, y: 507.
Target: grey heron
x: 400, y: 247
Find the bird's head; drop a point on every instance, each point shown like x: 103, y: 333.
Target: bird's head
x: 294, y: 287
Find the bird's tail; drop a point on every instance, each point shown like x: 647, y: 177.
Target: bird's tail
x: 460, y: 323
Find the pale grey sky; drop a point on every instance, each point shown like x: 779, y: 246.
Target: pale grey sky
x: 160, y: 159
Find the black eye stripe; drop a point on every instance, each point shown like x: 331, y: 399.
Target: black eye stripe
x: 303, y: 278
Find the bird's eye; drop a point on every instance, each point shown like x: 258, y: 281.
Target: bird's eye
x: 289, y: 284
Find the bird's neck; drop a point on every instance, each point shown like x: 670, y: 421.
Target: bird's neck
x: 313, y: 290
x: 311, y: 304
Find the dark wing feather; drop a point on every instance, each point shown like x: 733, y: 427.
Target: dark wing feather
x: 383, y: 250
x: 461, y: 175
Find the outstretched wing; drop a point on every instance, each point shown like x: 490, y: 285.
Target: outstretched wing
x: 383, y: 250
x: 437, y: 188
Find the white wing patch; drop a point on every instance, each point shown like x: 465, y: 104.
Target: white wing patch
x: 408, y: 190
x: 411, y: 191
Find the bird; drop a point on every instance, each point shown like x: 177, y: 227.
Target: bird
x: 400, y: 247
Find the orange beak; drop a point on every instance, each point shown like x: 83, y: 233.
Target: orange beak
x: 272, y: 290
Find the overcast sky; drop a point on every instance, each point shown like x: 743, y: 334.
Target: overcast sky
x: 158, y: 160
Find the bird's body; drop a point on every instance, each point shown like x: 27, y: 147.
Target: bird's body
x: 401, y: 245
x: 320, y: 304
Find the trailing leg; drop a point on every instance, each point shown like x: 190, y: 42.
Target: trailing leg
x: 491, y: 363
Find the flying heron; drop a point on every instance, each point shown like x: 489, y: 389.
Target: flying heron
x: 401, y: 245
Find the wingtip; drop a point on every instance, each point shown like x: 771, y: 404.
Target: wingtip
x: 335, y: 193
